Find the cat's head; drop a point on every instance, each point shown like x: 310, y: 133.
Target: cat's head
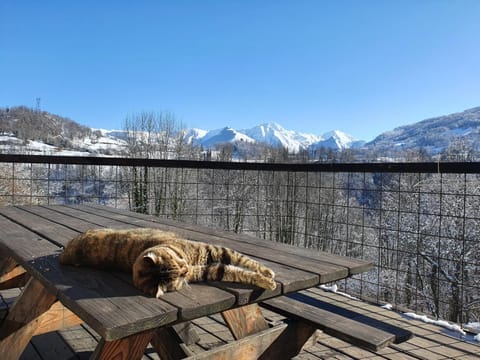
x: 160, y: 269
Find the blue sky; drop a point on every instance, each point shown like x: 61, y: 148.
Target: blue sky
x: 362, y: 67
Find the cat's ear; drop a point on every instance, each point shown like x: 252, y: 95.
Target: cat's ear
x: 149, y: 259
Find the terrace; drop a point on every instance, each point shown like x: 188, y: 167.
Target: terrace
x: 417, y: 222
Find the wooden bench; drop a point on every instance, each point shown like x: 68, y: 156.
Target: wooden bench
x: 355, y: 328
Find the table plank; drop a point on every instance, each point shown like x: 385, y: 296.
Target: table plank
x: 289, y: 278
x: 355, y: 266
x: 19, y: 326
x: 106, y: 303
x: 199, y: 299
x: 243, y: 295
x: 191, y: 303
x: 58, y: 234
x: 327, y: 272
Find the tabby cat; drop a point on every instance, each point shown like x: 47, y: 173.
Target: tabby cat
x: 161, y: 261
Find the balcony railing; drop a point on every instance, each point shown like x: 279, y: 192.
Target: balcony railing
x: 419, y: 222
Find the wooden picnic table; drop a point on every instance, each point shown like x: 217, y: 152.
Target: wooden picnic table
x: 56, y: 296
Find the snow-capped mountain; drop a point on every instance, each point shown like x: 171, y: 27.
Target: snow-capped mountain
x: 337, y: 140
x: 219, y: 136
x: 273, y: 134
x: 193, y: 134
x: 62, y: 133
x: 435, y: 134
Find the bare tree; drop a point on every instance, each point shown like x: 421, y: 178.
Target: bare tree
x: 153, y: 135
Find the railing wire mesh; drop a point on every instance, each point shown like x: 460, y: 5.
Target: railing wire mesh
x: 419, y: 223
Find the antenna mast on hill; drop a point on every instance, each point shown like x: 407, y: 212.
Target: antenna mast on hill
x: 37, y: 108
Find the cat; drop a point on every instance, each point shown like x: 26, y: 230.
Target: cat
x: 162, y: 261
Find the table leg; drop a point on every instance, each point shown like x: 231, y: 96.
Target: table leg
x: 11, y: 274
x: 248, y: 320
x: 131, y: 347
x: 56, y: 318
x: 249, y: 348
x: 7, y: 263
x: 290, y: 342
x: 245, y: 320
x: 168, y: 344
x: 186, y: 332
x: 20, y: 324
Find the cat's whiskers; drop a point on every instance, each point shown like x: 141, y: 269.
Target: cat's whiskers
x: 160, y: 292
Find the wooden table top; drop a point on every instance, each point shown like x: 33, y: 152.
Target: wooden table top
x: 108, y: 302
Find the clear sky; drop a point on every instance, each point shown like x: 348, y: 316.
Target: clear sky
x: 359, y: 66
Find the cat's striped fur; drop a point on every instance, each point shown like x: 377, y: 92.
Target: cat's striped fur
x: 162, y: 261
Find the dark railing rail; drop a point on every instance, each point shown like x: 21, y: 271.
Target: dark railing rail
x: 397, y: 167
x: 419, y: 222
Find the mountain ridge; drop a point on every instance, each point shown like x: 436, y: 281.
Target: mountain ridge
x: 42, y: 131
x: 273, y: 134
x: 433, y: 134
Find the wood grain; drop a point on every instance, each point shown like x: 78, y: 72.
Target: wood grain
x: 7, y: 263
x: 56, y: 318
x: 327, y: 271
x: 186, y: 332
x: 169, y: 345
x: 245, y: 320
x: 290, y: 342
x: 243, y: 294
x: 127, y: 319
x: 110, y: 306
x: 198, y: 300
x: 354, y: 266
x: 128, y: 348
x: 248, y: 348
x: 331, y: 323
x: 16, y: 277
x: 21, y: 323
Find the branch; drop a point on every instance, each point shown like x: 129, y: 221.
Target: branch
x: 453, y: 279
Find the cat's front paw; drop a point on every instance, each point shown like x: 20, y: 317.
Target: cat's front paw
x: 272, y: 285
x: 267, y: 272
x: 266, y: 283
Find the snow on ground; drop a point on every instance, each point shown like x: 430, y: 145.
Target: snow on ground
x: 40, y: 146
x: 441, y: 323
x: 9, y: 138
x: 103, y: 145
x: 451, y: 329
x: 387, y: 306
x: 73, y: 153
x: 334, y: 289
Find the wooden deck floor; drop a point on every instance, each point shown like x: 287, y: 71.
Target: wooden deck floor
x: 429, y: 341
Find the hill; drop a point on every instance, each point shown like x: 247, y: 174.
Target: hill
x: 24, y: 130
x: 27, y: 124
x: 433, y: 135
